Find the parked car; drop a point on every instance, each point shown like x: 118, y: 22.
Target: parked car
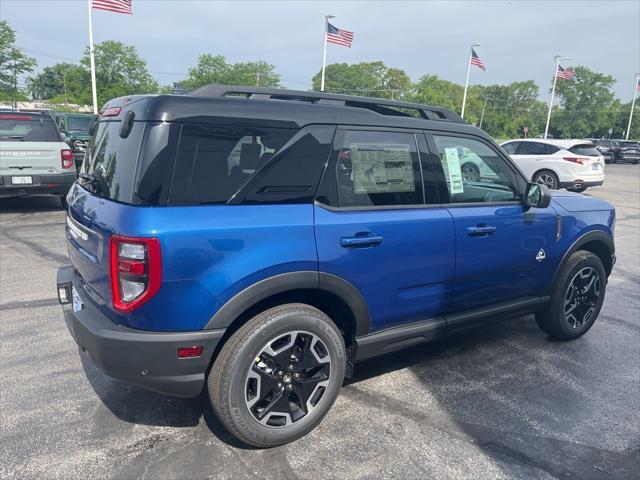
x: 571, y: 164
x: 34, y: 159
x: 629, y: 151
x: 75, y: 129
x: 293, y: 234
x: 608, y: 149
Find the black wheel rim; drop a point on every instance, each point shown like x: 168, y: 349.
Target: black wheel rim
x: 470, y: 173
x: 546, y: 179
x: 288, y: 379
x: 582, y: 297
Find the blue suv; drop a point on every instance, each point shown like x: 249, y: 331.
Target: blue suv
x: 259, y: 242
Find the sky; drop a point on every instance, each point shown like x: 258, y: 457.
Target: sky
x: 519, y: 38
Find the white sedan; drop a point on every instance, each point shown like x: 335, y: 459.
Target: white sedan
x: 571, y: 164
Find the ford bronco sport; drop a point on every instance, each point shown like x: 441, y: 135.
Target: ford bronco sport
x: 34, y: 160
x: 259, y: 242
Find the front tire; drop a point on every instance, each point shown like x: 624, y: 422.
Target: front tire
x: 576, y: 297
x: 278, y: 375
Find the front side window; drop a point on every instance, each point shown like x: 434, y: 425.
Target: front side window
x: 474, y: 172
x: 378, y: 169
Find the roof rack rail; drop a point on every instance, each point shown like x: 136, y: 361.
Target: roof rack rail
x: 379, y: 105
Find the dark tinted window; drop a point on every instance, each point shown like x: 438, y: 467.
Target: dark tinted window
x: 293, y: 174
x: 511, y: 147
x: 378, y: 169
x: 533, y: 148
x: 111, y: 160
x: 587, y: 149
x: 155, y: 165
x: 213, y: 162
x: 78, y: 124
x: 27, y: 128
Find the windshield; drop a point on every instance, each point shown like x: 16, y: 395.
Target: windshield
x: 75, y: 124
x: 27, y: 128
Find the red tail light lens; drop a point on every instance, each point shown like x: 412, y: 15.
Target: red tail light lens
x: 577, y: 160
x: 136, y: 271
x: 67, y: 158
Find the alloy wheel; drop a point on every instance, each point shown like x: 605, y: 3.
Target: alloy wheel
x: 547, y: 179
x: 581, y: 297
x: 470, y: 173
x: 287, y: 379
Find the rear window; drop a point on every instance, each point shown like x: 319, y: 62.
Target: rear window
x: 213, y: 161
x: 110, y: 162
x: 586, y: 149
x: 28, y: 128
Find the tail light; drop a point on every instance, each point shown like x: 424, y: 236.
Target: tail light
x: 578, y: 160
x: 136, y: 271
x: 66, y: 156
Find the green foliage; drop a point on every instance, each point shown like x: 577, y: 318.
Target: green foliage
x: 369, y: 79
x: 119, y: 71
x: 587, y: 105
x: 215, y: 69
x: 64, y: 80
x: 13, y: 63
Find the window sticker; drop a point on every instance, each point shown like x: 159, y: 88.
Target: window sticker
x: 452, y: 166
x: 380, y: 168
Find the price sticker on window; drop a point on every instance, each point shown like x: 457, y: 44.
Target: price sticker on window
x: 453, y: 167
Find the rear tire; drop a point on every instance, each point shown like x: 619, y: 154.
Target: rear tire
x: 576, y: 297
x: 548, y: 178
x: 278, y: 375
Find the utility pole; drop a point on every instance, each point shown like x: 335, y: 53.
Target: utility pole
x: 484, y: 105
x: 633, y: 105
x: 257, y: 78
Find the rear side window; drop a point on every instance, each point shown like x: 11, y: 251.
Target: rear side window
x: 378, y: 169
x: 587, y: 150
x: 213, y: 162
x: 511, y: 148
x: 28, y: 128
x: 533, y: 148
x: 111, y: 161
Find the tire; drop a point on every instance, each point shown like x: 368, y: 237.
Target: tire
x: 548, y: 178
x: 470, y: 172
x: 579, y: 189
x: 244, y: 365
x: 567, y: 317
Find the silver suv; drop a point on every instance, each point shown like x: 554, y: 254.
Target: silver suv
x: 34, y: 159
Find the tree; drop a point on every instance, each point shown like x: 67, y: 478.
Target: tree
x: 13, y: 63
x: 119, y: 72
x: 215, y: 69
x: 370, y: 79
x: 586, y: 105
x: 64, y: 80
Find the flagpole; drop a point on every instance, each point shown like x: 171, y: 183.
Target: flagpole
x: 324, y: 50
x: 92, y: 61
x: 553, y: 92
x: 466, y: 83
x: 633, y: 105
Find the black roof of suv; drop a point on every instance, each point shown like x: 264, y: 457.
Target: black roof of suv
x: 288, y: 108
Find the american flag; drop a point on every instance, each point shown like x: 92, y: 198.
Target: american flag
x: 117, y: 6
x: 475, y: 60
x: 338, y: 36
x: 565, y: 74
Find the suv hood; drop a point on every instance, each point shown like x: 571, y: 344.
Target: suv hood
x: 578, y: 202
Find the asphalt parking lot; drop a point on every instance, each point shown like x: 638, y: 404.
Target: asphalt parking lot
x: 502, y: 401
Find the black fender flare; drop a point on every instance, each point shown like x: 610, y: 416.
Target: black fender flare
x: 592, y: 236
x: 290, y: 281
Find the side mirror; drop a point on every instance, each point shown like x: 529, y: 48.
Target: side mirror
x: 537, y: 195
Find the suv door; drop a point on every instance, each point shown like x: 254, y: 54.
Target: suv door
x: 374, y: 230
x: 503, y: 252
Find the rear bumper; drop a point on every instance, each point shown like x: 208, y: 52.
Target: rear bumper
x: 147, y: 359
x: 57, y: 184
x: 580, y: 185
